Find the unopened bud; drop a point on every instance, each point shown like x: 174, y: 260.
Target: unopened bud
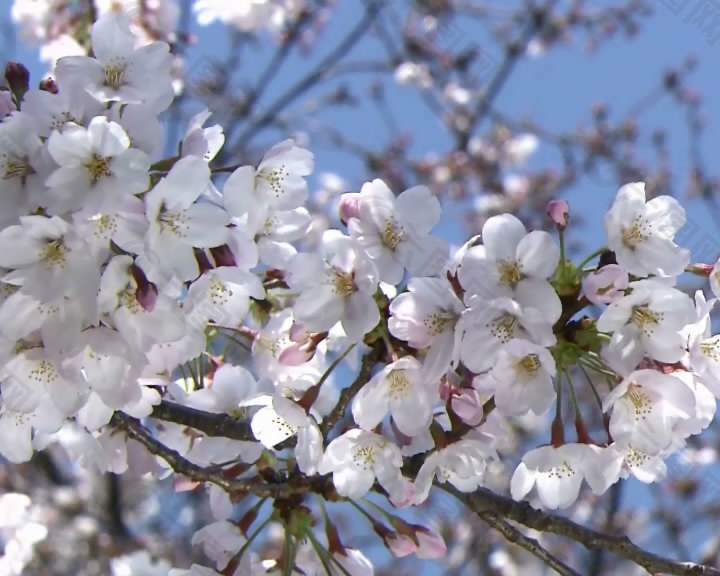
x: 559, y: 213
x: 18, y: 79
x: 48, y: 85
x: 349, y: 206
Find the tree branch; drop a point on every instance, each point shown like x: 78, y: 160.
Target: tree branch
x: 297, y: 485
x: 208, y: 422
x: 338, y: 412
x: 483, y: 501
x: 514, y: 535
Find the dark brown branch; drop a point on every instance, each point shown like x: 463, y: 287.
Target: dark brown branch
x: 211, y: 424
x: 299, y: 485
x: 484, y: 501
x: 338, y: 412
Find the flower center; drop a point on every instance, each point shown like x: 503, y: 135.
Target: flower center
x: 393, y: 234
x: 504, y: 327
x: 709, y: 348
x: 398, y: 384
x: 175, y: 222
x: 641, y: 402
x: 43, y: 373
x: 636, y: 234
x: 129, y: 301
x: 438, y: 322
x: 17, y: 168
x: 54, y: 254
x: 645, y: 319
x: 219, y: 293
x: 636, y: 458
x: 275, y: 178
x: 344, y: 282
x: 529, y: 365
x: 98, y: 168
x: 115, y: 74
x: 562, y: 471
x: 510, y: 272
x: 105, y: 227
x: 364, y: 456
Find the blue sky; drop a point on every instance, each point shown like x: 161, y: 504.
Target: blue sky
x: 556, y: 90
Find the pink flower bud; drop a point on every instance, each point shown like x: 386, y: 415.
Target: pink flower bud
x: 559, y: 212
x: 606, y: 285
x: 430, y: 544
x: 468, y: 405
x: 400, y: 546
x: 18, y: 78
x: 349, y: 206
x: 48, y: 85
x: 295, y: 355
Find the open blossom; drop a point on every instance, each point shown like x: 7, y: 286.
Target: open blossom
x: 641, y: 233
x: 647, y: 322
x: 512, y: 263
x: 278, y: 181
x: 97, y: 168
x: 357, y: 458
x: 490, y: 324
x: 606, y: 285
x: 394, y: 231
x: 49, y: 259
x: 461, y: 463
x: 283, y: 418
x: 119, y: 71
x: 521, y: 378
x: 179, y: 223
x: 337, y: 285
x: 646, y: 407
x: 557, y: 473
x: 427, y: 316
x: 401, y: 388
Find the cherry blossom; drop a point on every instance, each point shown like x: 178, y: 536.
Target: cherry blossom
x: 641, y: 233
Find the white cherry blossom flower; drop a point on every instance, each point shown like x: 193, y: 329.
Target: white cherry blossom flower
x: 401, y: 388
x: 178, y: 223
x: 119, y: 71
x: 97, y: 168
x: 281, y: 419
x: 512, y: 263
x: 278, y: 181
x: 336, y: 285
x: 357, y: 458
x: 394, y: 231
x: 427, y: 316
x: 49, y: 260
x: 647, y: 322
x: 641, y: 233
x: 461, y: 463
x: 489, y: 325
x: 24, y: 166
x: 646, y: 407
x: 557, y: 473
x: 522, y: 378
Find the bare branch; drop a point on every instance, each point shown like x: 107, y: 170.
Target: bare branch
x: 514, y: 535
x: 484, y: 501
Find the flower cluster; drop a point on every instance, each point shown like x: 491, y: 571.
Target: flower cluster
x: 122, y: 271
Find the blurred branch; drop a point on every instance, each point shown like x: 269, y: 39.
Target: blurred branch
x: 484, y: 502
x: 317, y: 74
x: 514, y: 536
